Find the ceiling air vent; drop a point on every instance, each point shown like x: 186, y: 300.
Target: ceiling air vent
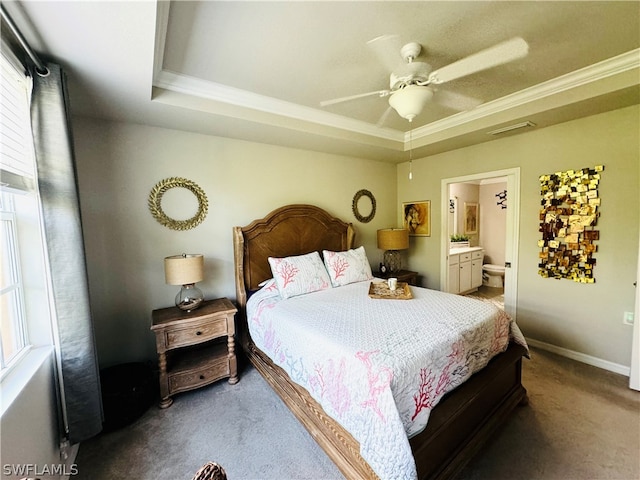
x: 510, y: 128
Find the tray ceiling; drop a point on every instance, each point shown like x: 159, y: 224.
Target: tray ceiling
x: 259, y: 70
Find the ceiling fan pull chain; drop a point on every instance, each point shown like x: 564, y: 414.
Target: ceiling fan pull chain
x: 410, y: 155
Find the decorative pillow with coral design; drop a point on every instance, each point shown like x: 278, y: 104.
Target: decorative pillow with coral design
x: 299, y: 275
x: 347, y: 267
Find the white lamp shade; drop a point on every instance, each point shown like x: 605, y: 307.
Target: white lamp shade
x: 393, y: 239
x: 184, y: 269
x: 410, y: 101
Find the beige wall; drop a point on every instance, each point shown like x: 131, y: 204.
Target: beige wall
x: 466, y: 193
x: 493, y: 223
x: 582, y: 318
x: 118, y: 164
x: 29, y: 425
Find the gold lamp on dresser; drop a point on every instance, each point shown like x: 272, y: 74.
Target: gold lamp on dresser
x: 185, y: 270
x: 392, y: 240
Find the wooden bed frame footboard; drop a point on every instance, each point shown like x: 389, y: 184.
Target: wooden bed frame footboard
x: 466, y: 418
x: 337, y: 443
x: 458, y: 426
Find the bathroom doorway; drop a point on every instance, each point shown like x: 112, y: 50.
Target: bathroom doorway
x: 451, y: 223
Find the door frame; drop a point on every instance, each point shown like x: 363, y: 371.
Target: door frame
x: 634, y: 370
x: 512, y: 227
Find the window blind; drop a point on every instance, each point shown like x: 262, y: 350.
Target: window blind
x: 17, y: 165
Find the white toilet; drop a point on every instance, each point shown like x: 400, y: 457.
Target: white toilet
x: 492, y: 275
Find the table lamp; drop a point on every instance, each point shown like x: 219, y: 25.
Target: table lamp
x: 185, y: 270
x: 391, y: 240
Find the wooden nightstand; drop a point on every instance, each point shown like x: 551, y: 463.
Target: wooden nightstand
x: 191, y: 350
x: 403, y: 276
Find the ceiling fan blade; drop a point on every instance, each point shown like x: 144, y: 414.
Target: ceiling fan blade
x: 387, y: 49
x: 383, y: 117
x: 380, y: 93
x: 456, y: 101
x: 491, y: 57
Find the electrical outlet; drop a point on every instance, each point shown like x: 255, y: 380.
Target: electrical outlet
x: 627, y: 319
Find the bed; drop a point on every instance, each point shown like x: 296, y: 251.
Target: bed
x: 461, y: 422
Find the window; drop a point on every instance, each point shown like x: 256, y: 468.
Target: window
x: 12, y: 318
x: 23, y: 281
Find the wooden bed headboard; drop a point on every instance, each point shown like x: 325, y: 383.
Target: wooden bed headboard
x: 289, y: 230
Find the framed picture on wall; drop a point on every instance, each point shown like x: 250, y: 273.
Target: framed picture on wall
x: 470, y: 218
x: 417, y: 218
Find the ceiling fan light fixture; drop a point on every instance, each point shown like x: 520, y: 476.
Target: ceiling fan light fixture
x: 410, y: 101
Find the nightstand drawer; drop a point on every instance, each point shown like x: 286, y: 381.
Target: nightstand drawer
x: 218, y: 369
x: 197, y: 333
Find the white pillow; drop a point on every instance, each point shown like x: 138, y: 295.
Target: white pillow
x: 299, y: 275
x: 347, y: 267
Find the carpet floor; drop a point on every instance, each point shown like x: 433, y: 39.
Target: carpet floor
x: 581, y: 423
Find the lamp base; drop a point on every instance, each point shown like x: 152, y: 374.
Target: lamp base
x: 392, y: 261
x: 189, y: 297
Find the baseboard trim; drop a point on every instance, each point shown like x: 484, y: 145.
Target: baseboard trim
x: 581, y: 357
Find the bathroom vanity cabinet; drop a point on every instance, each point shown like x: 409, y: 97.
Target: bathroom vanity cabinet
x: 465, y: 269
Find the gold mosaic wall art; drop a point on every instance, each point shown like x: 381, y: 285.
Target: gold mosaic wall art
x: 568, y: 217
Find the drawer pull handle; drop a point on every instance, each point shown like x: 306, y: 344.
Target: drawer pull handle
x: 201, y: 377
x: 198, y: 332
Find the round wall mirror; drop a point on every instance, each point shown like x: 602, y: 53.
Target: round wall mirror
x: 365, y: 201
x: 155, y: 203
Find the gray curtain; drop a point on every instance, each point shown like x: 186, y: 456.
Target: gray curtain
x: 79, y: 375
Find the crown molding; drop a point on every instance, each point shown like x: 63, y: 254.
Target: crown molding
x: 607, y: 69
x: 162, y: 23
x: 192, y: 86
x: 248, y: 101
x: 197, y: 87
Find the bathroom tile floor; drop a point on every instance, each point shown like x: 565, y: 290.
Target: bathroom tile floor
x: 491, y: 294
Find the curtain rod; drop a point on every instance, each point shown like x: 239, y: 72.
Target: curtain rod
x: 41, y: 68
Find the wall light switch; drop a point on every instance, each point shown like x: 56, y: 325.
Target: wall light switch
x: 628, y: 318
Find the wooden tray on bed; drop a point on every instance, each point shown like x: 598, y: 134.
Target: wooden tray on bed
x: 381, y: 290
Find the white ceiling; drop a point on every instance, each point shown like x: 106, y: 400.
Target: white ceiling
x: 259, y: 70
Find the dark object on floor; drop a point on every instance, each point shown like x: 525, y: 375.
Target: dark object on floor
x: 128, y: 390
x: 210, y: 471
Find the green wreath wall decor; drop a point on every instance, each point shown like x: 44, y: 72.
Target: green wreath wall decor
x: 155, y: 203
x: 354, y: 206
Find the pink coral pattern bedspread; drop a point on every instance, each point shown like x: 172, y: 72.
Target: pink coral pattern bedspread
x: 379, y: 366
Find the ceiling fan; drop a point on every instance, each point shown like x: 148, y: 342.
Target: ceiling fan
x: 411, y: 83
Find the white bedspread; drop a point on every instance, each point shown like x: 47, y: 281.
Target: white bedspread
x: 379, y: 366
